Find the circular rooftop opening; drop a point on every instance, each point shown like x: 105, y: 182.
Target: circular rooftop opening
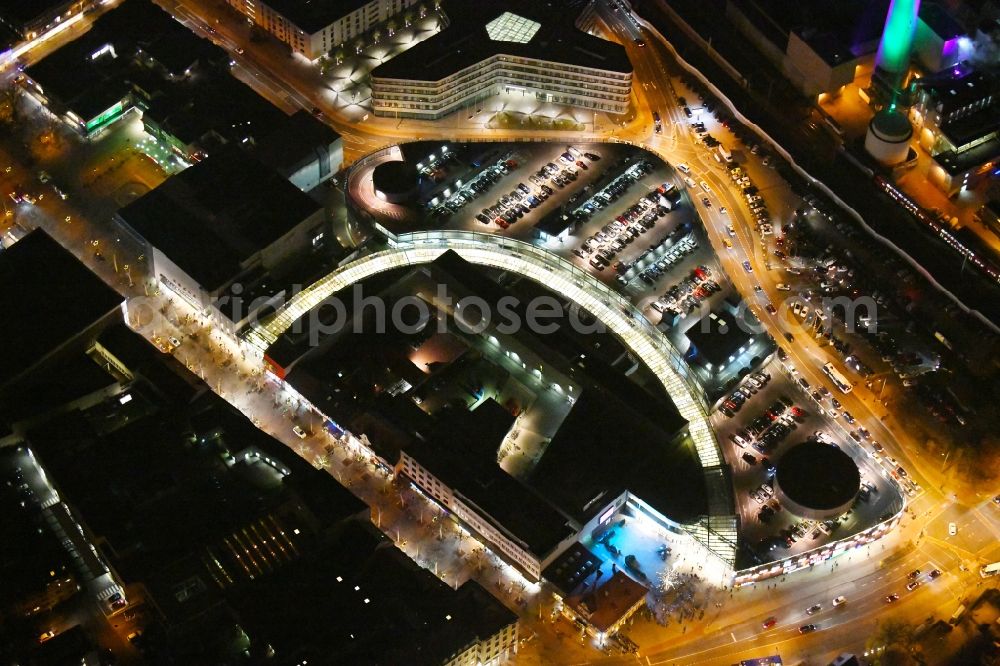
x: 816, y: 480
x: 395, y: 182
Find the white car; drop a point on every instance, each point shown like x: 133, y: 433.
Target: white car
x: 684, y: 168
x: 299, y: 432
x: 840, y: 600
x: 690, y: 183
x: 781, y: 286
x: 952, y: 529
x: 174, y: 342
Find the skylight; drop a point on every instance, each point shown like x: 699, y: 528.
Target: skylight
x: 512, y: 28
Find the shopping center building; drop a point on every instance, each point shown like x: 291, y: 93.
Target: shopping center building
x: 490, y: 47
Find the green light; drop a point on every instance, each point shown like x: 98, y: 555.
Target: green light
x: 897, y: 38
x: 105, y: 117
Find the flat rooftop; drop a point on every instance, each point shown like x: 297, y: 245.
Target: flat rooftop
x: 199, y: 99
x: 295, y: 141
x: 848, y: 25
x: 718, y: 336
x: 462, y: 454
x: 604, y: 447
x: 609, y: 602
x: 51, y: 298
x: 466, y: 41
x: 363, y: 601
x: 215, y: 215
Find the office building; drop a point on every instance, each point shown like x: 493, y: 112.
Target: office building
x: 493, y: 47
x: 957, y: 119
x: 314, y: 28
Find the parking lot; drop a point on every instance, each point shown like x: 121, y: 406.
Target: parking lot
x: 768, y: 417
x: 509, y: 189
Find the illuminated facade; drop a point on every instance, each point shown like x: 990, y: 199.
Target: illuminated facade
x: 893, y: 57
x: 314, y: 31
x: 487, y: 50
x: 547, y: 81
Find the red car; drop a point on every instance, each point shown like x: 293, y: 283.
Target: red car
x: 770, y: 622
x: 502, y: 223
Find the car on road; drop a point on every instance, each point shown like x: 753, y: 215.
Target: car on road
x: 815, y: 608
x: 913, y: 575
x: 728, y: 243
x: 769, y: 622
x: 807, y: 628
x: 299, y: 432
x: 934, y: 573
x: 771, y: 309
x: 952, y: 529
x: 781, y: 286
x: 46, y: 636
x: 705, y: 202
x: 747, y: 267
x: 684, y: 168
x: 690, y: 183
x: 850, y: 419
x: 891, y: 598
x: 639, y: 42
x: 174, y: 341
x: 913, y: 584
x: 839, y: 601
x: 722, y: 209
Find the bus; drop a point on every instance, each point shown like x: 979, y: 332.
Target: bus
x: 990, y: 570
x: 838, y: 379
x: 725, y: 154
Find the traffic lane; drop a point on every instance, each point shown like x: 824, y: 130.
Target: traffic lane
x: 866, y: 600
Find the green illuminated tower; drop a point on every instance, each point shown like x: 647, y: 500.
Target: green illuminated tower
x: 893, y: 57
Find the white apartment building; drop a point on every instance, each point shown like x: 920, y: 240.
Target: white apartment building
x: 315, y: 28
x: 484, y: 51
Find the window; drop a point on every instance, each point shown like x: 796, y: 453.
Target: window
x: 510, y: 27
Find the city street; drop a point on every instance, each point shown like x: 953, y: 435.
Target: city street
x: 105, y: 174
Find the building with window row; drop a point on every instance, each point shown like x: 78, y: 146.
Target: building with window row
x: 313, y: 29
x: 484, y: 51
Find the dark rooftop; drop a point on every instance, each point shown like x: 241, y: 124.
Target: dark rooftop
x: 717, y: 336
x: 818, y: 476
x: 959, y: 162
x: 610, y: 443
x: 462, y: 454
x: 51, y: 298
x: 295, y: 141
x: 465, y: 41
x: 940, y: 21
x: 846, y: 25
x: 363, y: 601
x: 214, y: 216
x: 21, y: 12
x: 197, y: 99
x: 573, y: 566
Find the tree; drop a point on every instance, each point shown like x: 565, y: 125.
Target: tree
x: 891, y: 643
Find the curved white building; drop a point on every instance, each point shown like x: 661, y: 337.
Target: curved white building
x: 490, y: 47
